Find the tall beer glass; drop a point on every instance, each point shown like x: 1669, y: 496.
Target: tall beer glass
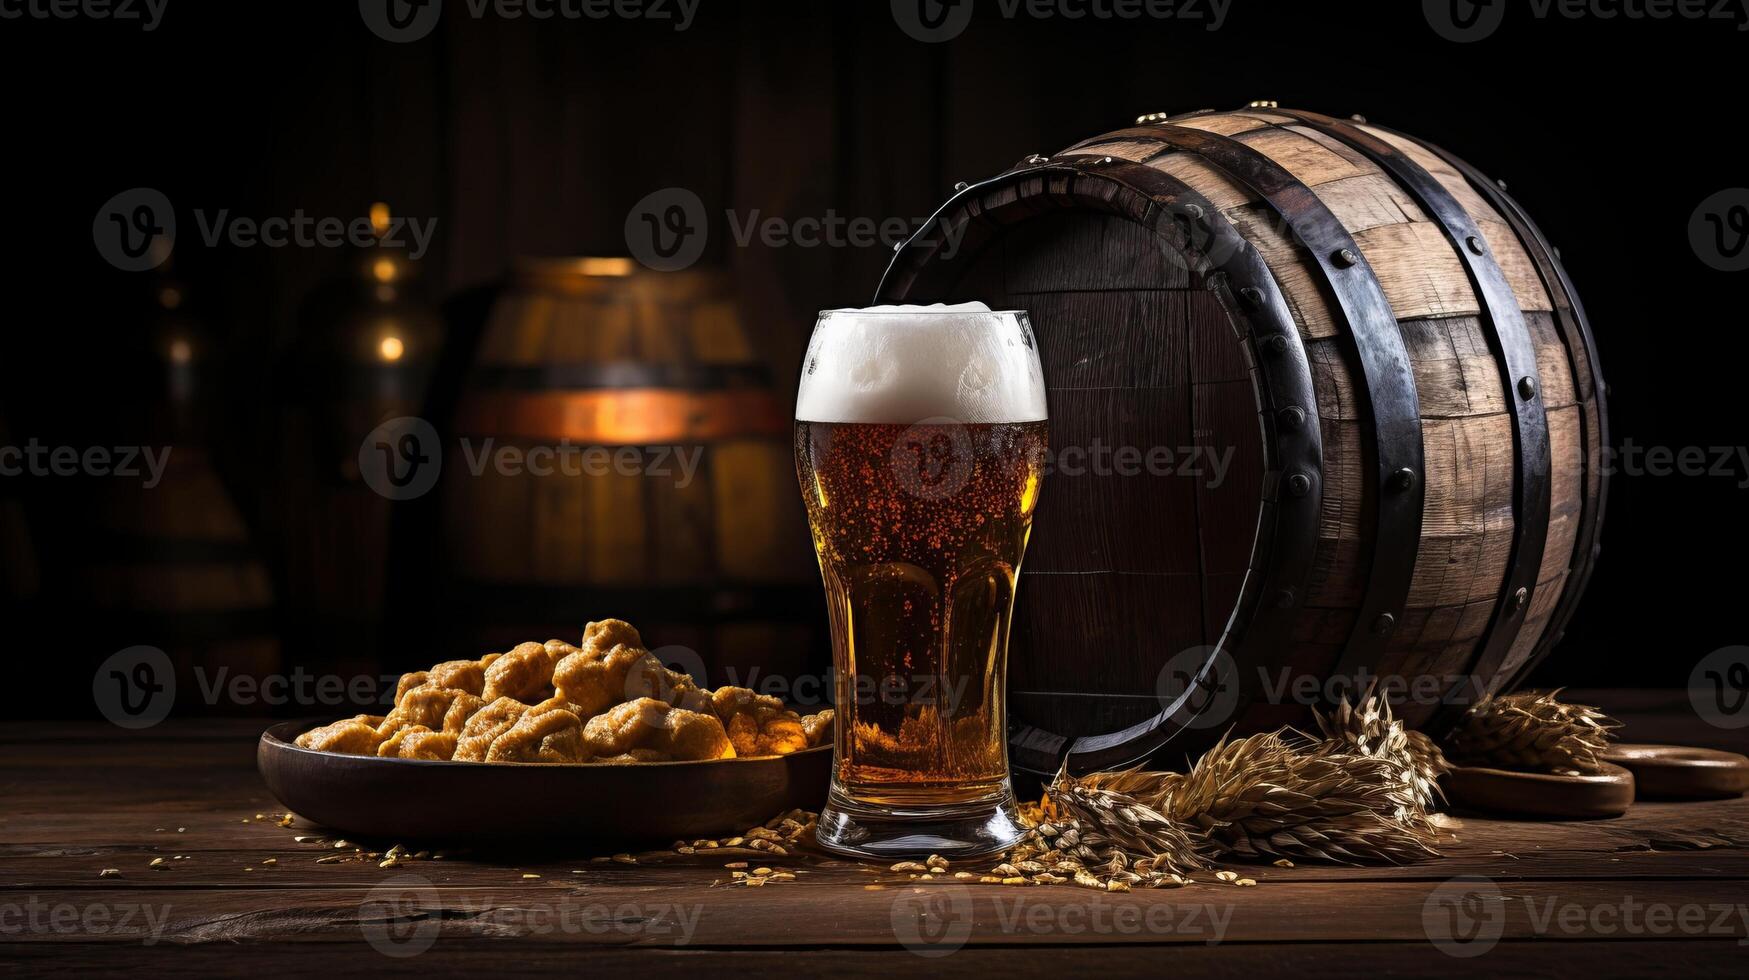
x: 920, y: 447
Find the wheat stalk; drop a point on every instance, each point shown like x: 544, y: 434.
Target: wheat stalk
x: 1532, y: 730
x: 1367, y: 727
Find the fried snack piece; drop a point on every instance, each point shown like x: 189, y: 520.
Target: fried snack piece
x: 548, y: 732
x: 479, y: 732
x: 612, y: 667
x: 424, y: 706
x: 758, y: 724
x: 656, y: 727
x: 460, y: 710
x: 461, y: 675
x: 351, y: 736
x: 818, y: 727
x: 524, y: 674
x: 428, y: 745
x: 418, y: 742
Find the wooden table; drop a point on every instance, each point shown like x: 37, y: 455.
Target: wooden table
x: 1659, y: 890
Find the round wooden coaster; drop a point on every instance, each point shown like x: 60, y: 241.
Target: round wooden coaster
x: 1608, y: 793
x: 1679, y: 772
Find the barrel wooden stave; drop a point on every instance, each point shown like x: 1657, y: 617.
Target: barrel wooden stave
x: 1468, y: 531
x: 1467, y: 523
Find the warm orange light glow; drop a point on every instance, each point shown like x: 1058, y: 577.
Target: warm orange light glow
x: 391, y: 348
x: 170, y: 297
x: 626, y: 416
x: 384, y: 270
x: 606, y: 266
x: 181, y: 352
x: 379, y: 218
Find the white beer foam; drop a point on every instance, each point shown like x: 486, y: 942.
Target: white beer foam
x: 904, y: 364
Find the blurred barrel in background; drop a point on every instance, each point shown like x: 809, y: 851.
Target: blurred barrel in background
x: 366, y: 349
x: 166, y: 560
x: 621, y: 452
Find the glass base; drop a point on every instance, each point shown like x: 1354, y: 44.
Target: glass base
x: 960, y: 830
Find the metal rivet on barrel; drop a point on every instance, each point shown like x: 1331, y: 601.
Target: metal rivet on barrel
x: 1558, y: 638
x: 1036, y: 158
x: 1152, y: 117
x: 1299, y: 484
x: 1195, y: 211
x: 960, y: 186
x: 1500, y: 183
x: 1596, y: 550
x: 1403, y: 480
x: 1519, y: 598
x: 1357, y: 117
x: 1527, y: 387
x: 1284, y: 599
x: 1475, y: 244
x: 1384, y: 624
x: 1291, y: 417
x: 1345, y: 257
x: 1275, y: 344
x: 1252, y: 296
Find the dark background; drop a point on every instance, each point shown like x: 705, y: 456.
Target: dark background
x: 526, y: 137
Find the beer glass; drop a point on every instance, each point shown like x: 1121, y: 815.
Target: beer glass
x: 920, y: 446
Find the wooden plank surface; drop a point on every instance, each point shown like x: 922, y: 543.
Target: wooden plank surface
x: 1663, y: 886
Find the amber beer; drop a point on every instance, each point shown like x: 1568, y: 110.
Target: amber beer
x: 920, y: 446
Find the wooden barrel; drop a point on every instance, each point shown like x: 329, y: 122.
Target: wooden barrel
x: 1391, y: 359
x: 679, y: 510
x: 172, y: 563
x: 173, y: 567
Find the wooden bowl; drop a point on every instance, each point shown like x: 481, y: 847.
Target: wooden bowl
x: 591, y: 806
x: 1606, y: 793
x: 1679, y: 772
